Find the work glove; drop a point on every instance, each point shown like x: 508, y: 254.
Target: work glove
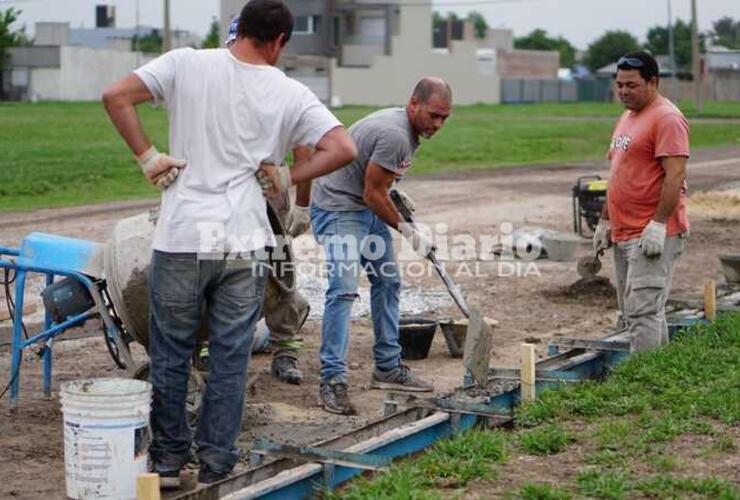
x: 159, y: 168
x: 273, y: 179
x: 652, y: 239
x: 299, y: 220
x: 602, y: 239
x: 422, y: 245
x: 406, y: 200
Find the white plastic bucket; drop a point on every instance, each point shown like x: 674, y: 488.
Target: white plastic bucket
x: 106, y: 436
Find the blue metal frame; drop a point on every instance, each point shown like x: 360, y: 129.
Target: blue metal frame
x: 28, y: 259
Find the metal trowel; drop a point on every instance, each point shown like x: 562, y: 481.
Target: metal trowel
x: 590, y: 265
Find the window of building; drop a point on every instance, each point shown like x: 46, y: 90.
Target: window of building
x: 307, y: 24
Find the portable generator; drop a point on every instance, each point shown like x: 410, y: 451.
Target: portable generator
x: 589, y: 196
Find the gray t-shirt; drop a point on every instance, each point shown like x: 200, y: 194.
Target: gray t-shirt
x: 383, y: 137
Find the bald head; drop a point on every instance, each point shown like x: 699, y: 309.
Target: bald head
x: 429, y: 106
x: 432, y: 86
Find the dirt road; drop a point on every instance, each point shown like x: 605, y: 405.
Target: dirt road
x: 525, y: 300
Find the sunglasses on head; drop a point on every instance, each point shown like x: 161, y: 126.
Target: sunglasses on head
x: 631, y: 62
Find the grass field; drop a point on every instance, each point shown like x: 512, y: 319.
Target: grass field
x: 59, y: 154
x: 659, y: 427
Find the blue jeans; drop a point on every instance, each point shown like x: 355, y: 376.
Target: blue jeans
x: 354, y: 241
x: 227, y: 296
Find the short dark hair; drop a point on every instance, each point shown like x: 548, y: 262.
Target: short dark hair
x: 427, y: 87
x: 648, y: 66
x: 264, y: 20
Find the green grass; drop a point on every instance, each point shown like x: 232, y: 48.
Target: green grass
x: 542, y: 492
x: 545, y: 440
x: 59, y: 154
x: 451, y: 463
x: 623, y: 426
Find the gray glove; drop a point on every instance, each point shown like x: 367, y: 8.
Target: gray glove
x: 298, y: 221
x: 159, y: 168
x: 273, y: 179
x: 652, y: 239
x: 406, y: 200
x: 422, y: 245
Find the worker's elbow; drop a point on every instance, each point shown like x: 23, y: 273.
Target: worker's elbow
x: 368, y: 197
x: 347, y: 151
x: 109, y: 96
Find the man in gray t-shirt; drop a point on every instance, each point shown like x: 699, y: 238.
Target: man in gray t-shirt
x: 385, y: 138
x: 351, y: 212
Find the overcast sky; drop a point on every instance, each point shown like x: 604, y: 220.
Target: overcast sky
x: 580, y: 21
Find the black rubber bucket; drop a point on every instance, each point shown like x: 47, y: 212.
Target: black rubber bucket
x: 415, y: 336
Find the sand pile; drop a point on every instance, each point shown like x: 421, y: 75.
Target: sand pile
x: 724, y: 204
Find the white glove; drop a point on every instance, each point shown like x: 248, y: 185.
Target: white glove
x: 159, y: 168
x: 602, y: 239
x: 422, y: 245
x: 406, y: 199
x: 273, y: 179
x: 652, y: 239
x: 299, y: 220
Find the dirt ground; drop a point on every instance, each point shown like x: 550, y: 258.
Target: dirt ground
x: 529, y: 306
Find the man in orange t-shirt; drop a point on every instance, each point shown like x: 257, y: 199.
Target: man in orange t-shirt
x: 645, y: 214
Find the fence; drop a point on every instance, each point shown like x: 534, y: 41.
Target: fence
x: 525, y: 90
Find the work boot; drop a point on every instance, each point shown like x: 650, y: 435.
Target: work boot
x: 334, y: 399
x: 285, y: 368
x: 206, y: 476
x: 400, y: 378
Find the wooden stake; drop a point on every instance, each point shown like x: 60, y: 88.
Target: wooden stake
x: 710, y: 300
x: 528, y: 372
x: 147, y: 486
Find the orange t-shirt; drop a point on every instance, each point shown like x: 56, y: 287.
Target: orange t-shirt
x: 639, y: 141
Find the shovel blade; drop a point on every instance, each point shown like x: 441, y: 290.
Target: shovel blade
x: 477, y: 354
x: 589, y: 266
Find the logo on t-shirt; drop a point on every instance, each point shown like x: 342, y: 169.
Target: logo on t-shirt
x: 404, y: 166
x: 621, y: 142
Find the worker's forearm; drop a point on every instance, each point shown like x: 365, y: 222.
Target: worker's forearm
x: 126, y: 120
x: 303, y: 194
x: 382, y: 205
x: 669, y: 196
x: 321, y: 163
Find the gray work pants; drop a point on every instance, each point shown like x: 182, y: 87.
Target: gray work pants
x: 643, y: 286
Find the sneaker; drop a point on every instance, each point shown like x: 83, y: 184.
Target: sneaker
x: 169, y: 480
x: 206, y: 476
x: 400, y: 378
x: 334, y: 399
x: 285, y: 369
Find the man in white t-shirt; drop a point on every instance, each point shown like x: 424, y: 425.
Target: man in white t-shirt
x: 231, y: 115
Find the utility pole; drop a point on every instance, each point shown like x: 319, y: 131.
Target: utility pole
x: 672, y: 52
x: 167, y: 38
x: 695, y: 58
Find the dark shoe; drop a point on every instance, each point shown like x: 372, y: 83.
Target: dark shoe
x: 169, y: 480
x: 206, y: 476
x: 400, y: 378
x: 285, y: 369
x: 334, y: 399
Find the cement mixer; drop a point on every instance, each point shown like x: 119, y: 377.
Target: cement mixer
x: 127, y: 258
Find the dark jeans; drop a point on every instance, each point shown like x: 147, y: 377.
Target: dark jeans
x: 227, y: 296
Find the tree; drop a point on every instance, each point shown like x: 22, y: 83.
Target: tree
x: 151, y: 43
x: 538, y: 40
x: 609, y: 48
x: 657, y: 43
x: 726, y: 32
x: 9, y: 37
x: 213, y: 38
x: 479, y: 23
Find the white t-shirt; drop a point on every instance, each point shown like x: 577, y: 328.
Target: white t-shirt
x: 226, y: 117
